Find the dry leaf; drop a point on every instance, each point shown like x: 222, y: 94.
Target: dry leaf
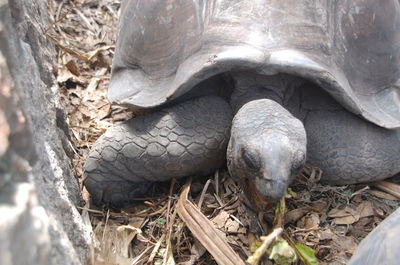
x: 204, y: 230
x: 326, y: 234
x: 73, y: 68
x: 310, y: 221
x: 319, y: 206
x: 95, y: 80
x: 347, y: 243
x: 64, y: 76
x: 220, y: 219
x: 379, y: 212
x: 365, y: 209
x: 231, y: 226
x: 344, y: 215
x: 94, y: 53
x: 103, y: 111
x: 196, y: 252
x: 294, y: 215
x: 169, y: 257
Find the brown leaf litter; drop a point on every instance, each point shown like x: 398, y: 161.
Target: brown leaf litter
x: 330, y: 220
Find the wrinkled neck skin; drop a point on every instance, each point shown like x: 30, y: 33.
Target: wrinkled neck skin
x: 281, y: 88
x: 267, y: 146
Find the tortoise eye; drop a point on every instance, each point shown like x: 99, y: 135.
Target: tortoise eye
x: 251, y: 159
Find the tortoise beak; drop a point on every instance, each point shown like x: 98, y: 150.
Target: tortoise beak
x: 264, y: 193
x: 271, y: 189
x: 257, y: 200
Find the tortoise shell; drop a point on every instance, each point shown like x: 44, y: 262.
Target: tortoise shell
x: 350, y: 48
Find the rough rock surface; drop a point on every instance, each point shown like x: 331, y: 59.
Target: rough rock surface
x: 38, y: 193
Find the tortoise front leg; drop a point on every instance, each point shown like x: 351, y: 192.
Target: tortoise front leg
x: 189, y: 138
x: 349, y: 149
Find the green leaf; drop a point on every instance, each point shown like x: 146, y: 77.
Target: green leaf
x: 290, y: 193
x: 255, y: 245
x: 161, y: 221
x: 307, y: 254
x: 282, y: 253
x: 280, y: 211
x: 158, y: 262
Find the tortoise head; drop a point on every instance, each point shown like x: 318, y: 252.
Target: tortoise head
x: 266, y: 150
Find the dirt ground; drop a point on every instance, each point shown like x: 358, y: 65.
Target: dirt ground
x: 329, y: 220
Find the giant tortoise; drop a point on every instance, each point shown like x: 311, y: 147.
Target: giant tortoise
x: 264, y: 85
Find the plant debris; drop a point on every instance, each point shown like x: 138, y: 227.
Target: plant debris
x: 319, y: 222
x: 262, y: 249
x: 204, y: 231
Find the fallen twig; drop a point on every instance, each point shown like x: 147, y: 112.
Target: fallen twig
x: 391, y: 188
x: 256, y: 257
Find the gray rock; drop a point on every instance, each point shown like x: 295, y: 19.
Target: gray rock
x: 24, y: 227
x: 38, y: 193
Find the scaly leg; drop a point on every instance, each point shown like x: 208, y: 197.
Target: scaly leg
x: 189, y: 138
x: 350, y: 149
